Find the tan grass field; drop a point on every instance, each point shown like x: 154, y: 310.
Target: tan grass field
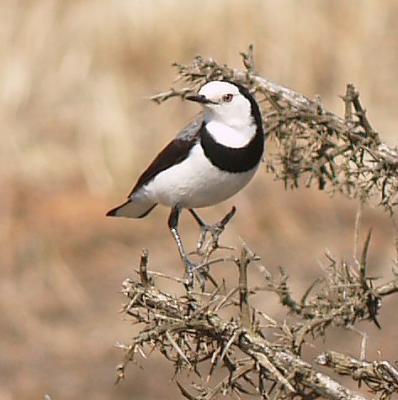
x: 77, y: 128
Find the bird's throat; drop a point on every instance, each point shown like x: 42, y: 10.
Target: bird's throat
x: 231, y: 136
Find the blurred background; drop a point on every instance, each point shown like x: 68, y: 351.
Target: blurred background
x: 77, y: 129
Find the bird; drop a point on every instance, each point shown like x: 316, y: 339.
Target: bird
x: 209, y: 161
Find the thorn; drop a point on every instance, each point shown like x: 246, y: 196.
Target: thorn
x: 364, y: 256
x: 184, y: 392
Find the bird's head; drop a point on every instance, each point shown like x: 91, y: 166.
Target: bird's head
x: 226, y: 102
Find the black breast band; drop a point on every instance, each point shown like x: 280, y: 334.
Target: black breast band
x: 232, y: 159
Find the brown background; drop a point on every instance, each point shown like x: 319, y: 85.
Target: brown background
x: 76, y: 130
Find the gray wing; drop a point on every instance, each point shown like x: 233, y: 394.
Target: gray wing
x: 190, y: 132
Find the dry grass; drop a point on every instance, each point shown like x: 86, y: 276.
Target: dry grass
x: 76, y: 130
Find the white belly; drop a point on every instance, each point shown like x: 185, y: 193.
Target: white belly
x: 194, y: 183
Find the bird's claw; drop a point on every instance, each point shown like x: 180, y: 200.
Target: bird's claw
x: 193, y: 270
x: 190, y: 270
x: 215, y: 230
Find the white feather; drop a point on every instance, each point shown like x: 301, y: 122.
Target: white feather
x: 194, y: 183
x: 229, y: 136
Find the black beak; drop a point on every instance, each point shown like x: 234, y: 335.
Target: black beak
x: 199, y: 98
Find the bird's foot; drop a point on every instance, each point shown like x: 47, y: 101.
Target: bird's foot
x: 215, y: 231
x: 192, y: 271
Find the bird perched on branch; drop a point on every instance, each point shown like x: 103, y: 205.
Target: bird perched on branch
x: 209, y: 161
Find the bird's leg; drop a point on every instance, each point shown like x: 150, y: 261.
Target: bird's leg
x: 204, y: 228
x: 215, y: 230
x: 173, y: 226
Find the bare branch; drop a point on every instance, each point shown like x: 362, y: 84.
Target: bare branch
x: 380, y: 376
x: 243, y: 263
x: 274, y: 364
x: 339, y: 154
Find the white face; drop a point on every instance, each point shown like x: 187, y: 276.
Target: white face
x: 226, y: 104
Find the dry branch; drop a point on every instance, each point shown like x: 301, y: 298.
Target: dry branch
x: 190, y: 332
x: 170, y: 320
x: 379, y: 376
x: 313, y: 145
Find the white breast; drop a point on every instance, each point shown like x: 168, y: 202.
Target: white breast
x: 195, y: 182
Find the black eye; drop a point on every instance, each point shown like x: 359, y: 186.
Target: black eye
x: 227, y: 97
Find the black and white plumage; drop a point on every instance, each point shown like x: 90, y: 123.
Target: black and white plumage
x: 209, y: 161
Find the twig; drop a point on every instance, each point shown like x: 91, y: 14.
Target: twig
x: 207, y: 327
x: 357, y: 228
x: 243, y: 263
x: 145, y: 280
